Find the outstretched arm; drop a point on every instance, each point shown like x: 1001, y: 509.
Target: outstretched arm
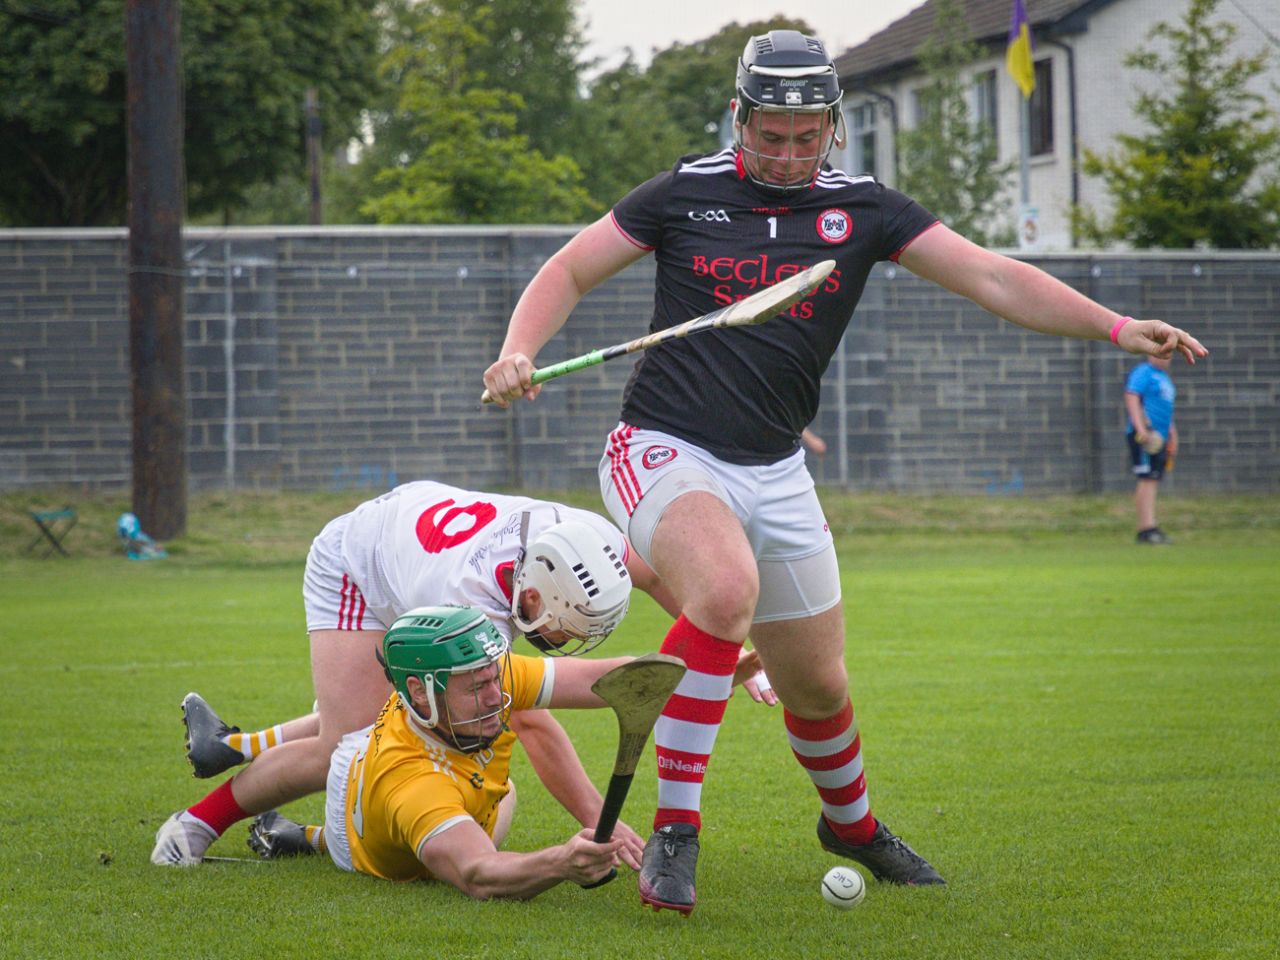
x: 556, y: 762
x: 1029, y: 297
x: 595, y: 254
x: 465, y: 856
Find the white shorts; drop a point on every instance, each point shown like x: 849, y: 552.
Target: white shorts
x: 335, y: 796
x: 330, y: 595
x: 643, y: 472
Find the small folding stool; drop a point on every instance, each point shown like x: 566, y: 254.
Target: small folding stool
x: 54, y: 526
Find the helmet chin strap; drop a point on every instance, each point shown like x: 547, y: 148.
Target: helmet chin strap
x: 431, y: 726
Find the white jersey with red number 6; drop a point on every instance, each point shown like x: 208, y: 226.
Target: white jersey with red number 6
x: 429, y: 543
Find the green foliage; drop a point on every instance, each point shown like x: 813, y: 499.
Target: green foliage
x: 461, y: 157
x: 949, y: 162
x: 637, y: 122
x: 694, y: 82
x: 625, y: 135
x: 1032, y: 720
x: 246, y: 67
x: 1204, y: 174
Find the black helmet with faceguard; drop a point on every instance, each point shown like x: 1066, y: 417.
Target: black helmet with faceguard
x: 785, y: 72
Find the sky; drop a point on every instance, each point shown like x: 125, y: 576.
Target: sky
x: 612, y: 25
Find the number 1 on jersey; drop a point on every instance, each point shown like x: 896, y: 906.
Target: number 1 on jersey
x: 773, y: 227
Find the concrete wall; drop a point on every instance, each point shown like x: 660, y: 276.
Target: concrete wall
x: 352, y: 357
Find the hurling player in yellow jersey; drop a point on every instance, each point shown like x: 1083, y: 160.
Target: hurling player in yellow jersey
x: 425, y: 791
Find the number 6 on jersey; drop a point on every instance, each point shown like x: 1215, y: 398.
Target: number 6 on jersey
x: 757, y: 308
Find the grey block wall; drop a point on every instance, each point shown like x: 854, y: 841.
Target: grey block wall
x: 352, y: 358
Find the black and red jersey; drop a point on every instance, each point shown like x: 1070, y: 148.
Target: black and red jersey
x: 745, y: 393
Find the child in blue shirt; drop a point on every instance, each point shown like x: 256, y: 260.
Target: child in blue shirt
x: 1153, y: 439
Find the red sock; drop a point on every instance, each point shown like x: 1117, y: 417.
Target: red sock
x: 219, y: 809
x: 686, y: 732
x: 830, y: 751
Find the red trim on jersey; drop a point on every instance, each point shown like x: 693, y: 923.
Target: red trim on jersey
x: 825, y: 729
x: 832, y: 761
x: 342, y: 605
x: 498, y: 571
x: 897, y: 253
x: 630, y: 239
x: 693, y: 710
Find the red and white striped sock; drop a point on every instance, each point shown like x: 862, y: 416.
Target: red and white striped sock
x: 686, y: 732
x: 830, y: 751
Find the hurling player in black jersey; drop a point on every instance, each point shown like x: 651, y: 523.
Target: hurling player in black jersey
x: 704, y: 471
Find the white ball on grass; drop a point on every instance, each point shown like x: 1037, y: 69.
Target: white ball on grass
x: 843, y: 887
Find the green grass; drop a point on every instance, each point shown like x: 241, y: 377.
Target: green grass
x: 1079, y: 733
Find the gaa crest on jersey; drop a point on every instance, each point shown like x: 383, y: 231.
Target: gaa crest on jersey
x: 834, y: 226
x: 655, y: 457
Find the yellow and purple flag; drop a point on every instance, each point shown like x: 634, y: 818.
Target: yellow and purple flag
x: 1017, y: 58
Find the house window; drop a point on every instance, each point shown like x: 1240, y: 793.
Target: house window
x: 984, y: 102
x: 862, y: 139
x: 921, y: 105
x: 1041, y: 109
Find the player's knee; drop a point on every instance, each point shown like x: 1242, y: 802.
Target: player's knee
x: 725, y: 606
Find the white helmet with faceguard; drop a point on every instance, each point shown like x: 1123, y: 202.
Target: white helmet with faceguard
x: 784, y: 73
x: 583, y: 586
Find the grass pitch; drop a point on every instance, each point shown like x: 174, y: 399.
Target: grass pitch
x: 1079, y: 733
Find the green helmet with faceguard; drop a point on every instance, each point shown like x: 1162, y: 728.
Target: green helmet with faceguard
x: 436, y: 645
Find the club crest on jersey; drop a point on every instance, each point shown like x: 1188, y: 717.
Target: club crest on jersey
x: 655, y: 457
x: 833, y: 226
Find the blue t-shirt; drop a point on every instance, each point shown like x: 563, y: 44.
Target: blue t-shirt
x: 1157, y: 391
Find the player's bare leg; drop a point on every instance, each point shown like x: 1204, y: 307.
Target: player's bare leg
x: 350, y: 689
x: 701, y: 553
x: 804, y: 660
x: 1144, y: 498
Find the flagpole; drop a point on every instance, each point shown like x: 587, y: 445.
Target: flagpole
x: 1024, y: 166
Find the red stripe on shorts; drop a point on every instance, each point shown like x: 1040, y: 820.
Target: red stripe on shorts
x: 621, y: 473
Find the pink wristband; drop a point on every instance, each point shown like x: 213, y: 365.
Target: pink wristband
x: 1115, y: 331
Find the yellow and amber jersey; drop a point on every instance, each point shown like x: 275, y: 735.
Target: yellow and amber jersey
x: 405, y: 786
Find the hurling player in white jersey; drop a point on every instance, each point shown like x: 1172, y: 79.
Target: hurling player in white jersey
x: 558, y: 575
x: 704, y: 472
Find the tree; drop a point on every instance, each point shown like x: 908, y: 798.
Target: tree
x: 1205, y: 173
x: 624, y: 134
x: 949, y: 162
x: 462, y: 159
x: 246, y: 64
x: 635, y: 122
x: 694, y: 82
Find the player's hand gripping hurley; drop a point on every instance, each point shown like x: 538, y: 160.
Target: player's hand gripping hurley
x: 637, y: 691
x: 755, y: 309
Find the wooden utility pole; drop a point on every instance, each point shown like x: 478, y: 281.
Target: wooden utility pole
x: 156, y: 269
x: 313, y: 154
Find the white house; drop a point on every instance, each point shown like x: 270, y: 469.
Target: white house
x: 1084, y: 94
